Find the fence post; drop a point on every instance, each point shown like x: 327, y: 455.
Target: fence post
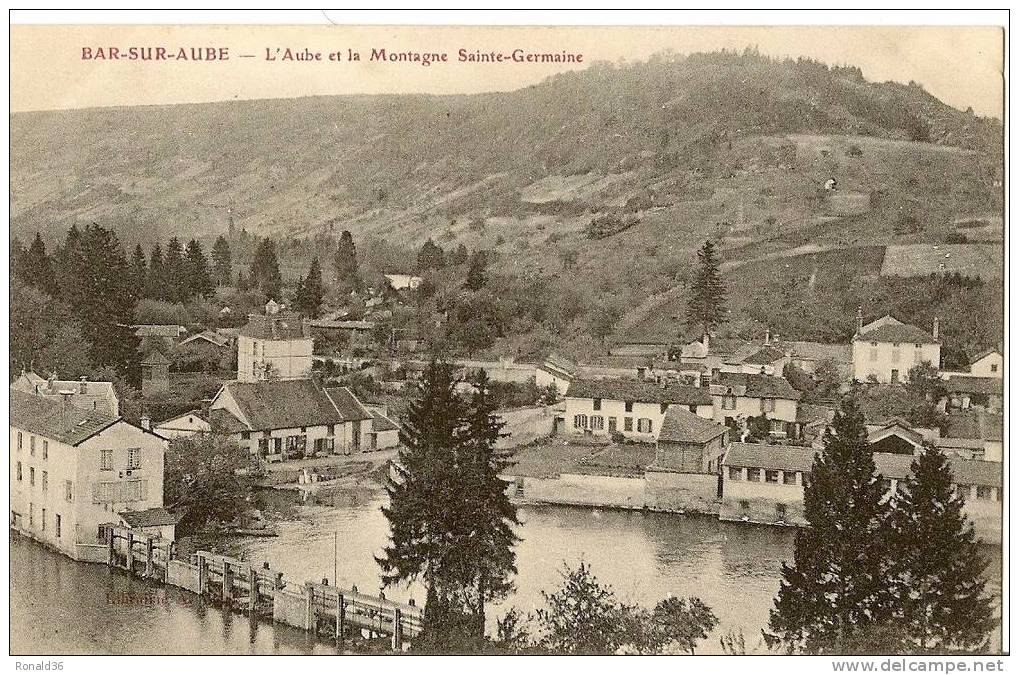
x: 397, y: 630
x: 203, y: 574
x: 228, y: 582
x: 112, y: 559
x: 130, y: 551
x: 252, y: 589
x: 150, y: 568
x: 339, y: 615
x: 309, y: 606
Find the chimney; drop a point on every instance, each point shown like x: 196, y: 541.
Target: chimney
x: 934, y: 332
x: 146, y: 421
x: 859, y: 320
x: 83, y: 385
x: 706, y: 340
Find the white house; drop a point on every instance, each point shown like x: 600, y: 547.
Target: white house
x: 72, y: 470
x: 555, y: 371
x: 290, y: 419
x: 273, y: 346
x: 400, y: 282
x: 740, y: 396
x: 886, y: 349
x: 988, y: 363
x: 633, y: 408
x: 191, y: 423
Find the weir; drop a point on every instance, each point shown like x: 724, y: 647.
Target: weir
x: 262, y: 591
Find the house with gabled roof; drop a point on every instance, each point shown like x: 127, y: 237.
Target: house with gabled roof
x: 630, y: 407
x: 273, y: 346
x: 556, y: 371
x: 72, y: 470
x: 278, y: 420
x: 885, y: 349
x: 739, y: 396
x: 82, y: 393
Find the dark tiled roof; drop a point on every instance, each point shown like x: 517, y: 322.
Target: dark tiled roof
x: 790, y: 458
x: 683, y: 426
x: 975, y: 424
x: 347, y: 404
x: 51, y: 418
x: 640, y: 390
x: 762, y: 456
x: 972, y: 384
x: 758, y: 385
x: 282, y: 326
x: 149, y: 517
x: 819, y: 351
x: 155, y: 358
x: 766, y: 355
x: 98, y: 396
x: 225, y: 423
x: 191, y: 413
x: 382, y: 423
x: 808, y: 413
x: 288, y: 404
x: 902, y: 332
x: 158, y: 330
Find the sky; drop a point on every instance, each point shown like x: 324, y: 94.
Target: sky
x: 960, y: 65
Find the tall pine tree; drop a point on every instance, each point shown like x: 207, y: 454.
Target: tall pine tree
x: 450, y: 520
x: 265, y: 270
x: 176, y: 271
x: 157, y: 281
x: 345, y: 264
x: 139, y: 272
x: 199, y: 277
x: 476, y: 278
x: 222, y: 261
x: 939, y: 566
x: 308, y: 300
x: 38, y: 269
x: 706, y: 308
x: 836, y: 597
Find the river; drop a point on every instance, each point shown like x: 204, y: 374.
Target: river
x: 58, y: 606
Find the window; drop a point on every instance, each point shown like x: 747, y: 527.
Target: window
x: 806, y: 479
x: 44, y: 520
x: 58, y: 525
x: 789, y: 477
x: 597, y: 404
x: 985, y: 492
x: 270, y: 446
x: 664, y: 407
x: 895, y: 375
x: 31, y: 445
x: 767, y: 405
x: 597, y: 422
x: 325, y: 444
x: 134, y: 458
x: 629, y: 406
x: 627, y: 424
x: 644, y: 425
x: 962, y: 491
x: 754, y: 474
x: 19, y: 471
x: 692, y: 409
x: 106, y: 460
x: 31, y: 476
x: 45, y: 480
x: 118, y: 492
x: 45, y: 449
x: 580, y: 421
x: 69, y: 490
x: 896, y: 355
x: 735, y: 473
x: 31, y: 514
x: 729, y: 402
x: 19, y: 440
x: 744, y: 505
x: 978, y: 454
x: 994, y: 367
x: 770, y: 476
x: 245, y: 435
x: 780, y: 511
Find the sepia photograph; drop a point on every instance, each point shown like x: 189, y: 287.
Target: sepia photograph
x: 434, y: 339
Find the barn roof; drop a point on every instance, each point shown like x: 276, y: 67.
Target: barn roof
x: 683, y: 426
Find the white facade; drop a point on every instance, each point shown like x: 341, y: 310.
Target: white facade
x: 891, y: 361
x: 633, y: 419
x: 267, y: 359
x: 60, y: 494
x: 188, y: 424
x: 989, y: 365
x: 543, y: 377
x: 731, y: 407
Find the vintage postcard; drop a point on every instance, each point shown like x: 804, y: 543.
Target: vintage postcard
x: 505, y: 340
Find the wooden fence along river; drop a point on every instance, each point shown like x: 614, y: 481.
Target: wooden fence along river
x: 261, y: 591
